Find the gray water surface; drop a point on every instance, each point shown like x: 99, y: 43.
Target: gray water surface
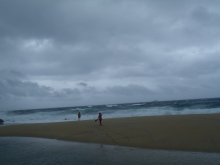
x: 39, y: 151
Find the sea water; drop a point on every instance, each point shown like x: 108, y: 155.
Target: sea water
x: 155, y: 108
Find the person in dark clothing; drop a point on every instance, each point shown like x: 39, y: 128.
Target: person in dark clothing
x: 79, y: 115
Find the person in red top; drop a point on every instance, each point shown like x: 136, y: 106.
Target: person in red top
x: 100, y: 119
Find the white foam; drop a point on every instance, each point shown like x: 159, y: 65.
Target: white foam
x: 90, y: 114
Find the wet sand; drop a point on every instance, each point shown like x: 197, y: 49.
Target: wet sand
x: 182, y: 132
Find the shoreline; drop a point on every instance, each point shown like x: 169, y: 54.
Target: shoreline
x: 196, y: 132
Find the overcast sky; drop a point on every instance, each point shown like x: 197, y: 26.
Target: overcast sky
x: 57, y: 53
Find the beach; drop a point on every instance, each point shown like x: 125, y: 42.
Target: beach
x: 175, y: 132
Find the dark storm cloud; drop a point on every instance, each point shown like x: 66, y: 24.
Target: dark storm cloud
x: 92, y: 52
x: 14, y: 84
x: 82, y: 84
x: 28, y: 19
x: 130, y: 90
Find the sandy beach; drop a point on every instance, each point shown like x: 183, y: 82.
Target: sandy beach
x: 181, y: 132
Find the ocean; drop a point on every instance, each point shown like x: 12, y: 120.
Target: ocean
x: 154, y: 108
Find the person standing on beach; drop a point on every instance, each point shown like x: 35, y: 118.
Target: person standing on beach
x: 100, y: 119
x: 79, y: 115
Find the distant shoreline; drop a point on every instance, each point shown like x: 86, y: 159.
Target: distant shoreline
x: 197, y: 132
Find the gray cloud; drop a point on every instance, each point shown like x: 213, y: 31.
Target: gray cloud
x: 69, y: 52
x: 82, y: 84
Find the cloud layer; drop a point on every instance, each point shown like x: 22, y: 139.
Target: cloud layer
x: 66, y: 53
